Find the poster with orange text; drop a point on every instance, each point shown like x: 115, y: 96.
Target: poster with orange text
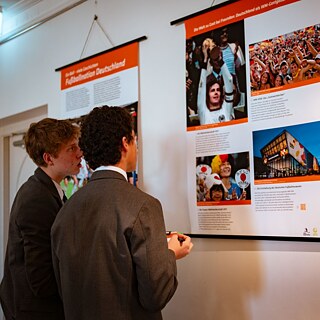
x: 253, y: 118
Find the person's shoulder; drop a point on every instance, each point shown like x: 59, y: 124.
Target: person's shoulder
x: 141, y: 195
x: 30, y: 186
x: 232, y: 45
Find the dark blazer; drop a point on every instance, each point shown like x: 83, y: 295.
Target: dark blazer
x: 28, y: 289
x: 110, y: 252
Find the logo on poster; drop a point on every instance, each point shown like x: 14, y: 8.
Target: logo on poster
x: 315, y: 231
x: 306, y: 232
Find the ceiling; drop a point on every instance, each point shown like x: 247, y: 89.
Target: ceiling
x: 16, y: 6
x: 5, y: 4
x: 20, y: 16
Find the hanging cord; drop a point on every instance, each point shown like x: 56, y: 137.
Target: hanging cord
x: 98, y: 23
x: 213, y: 3
x: 95, y: 20
x: 85, y: 44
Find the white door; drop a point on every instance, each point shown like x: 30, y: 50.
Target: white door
x: 15, y: 165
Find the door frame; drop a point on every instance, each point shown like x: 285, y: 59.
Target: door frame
x: 9, y: 126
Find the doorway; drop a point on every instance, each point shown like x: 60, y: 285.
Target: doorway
x: 15, y: 165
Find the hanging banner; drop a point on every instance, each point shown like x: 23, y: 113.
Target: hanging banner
x: 252, y: 114
x: 108, y: 78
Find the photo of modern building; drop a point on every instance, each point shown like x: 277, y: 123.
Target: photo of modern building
x: 284, y: 156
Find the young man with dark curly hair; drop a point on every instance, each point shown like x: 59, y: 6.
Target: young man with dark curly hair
x: 110, y: 251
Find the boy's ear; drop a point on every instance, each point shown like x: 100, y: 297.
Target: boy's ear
x: 47, y: 158
x: 125, y: 143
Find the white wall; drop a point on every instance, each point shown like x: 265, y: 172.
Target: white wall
x: 221, y: 279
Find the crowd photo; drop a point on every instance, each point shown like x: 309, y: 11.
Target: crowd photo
x: 285, y: 60
x: 223, y: 177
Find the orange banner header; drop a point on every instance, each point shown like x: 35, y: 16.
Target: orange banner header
x: 230, y: 13
x: 100, y: 66
x: 215, y: 125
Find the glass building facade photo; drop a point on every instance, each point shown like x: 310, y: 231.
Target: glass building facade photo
x: 285, y: 156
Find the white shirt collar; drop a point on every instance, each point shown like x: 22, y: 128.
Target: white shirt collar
x: 113, y: 168
x: 60, y: 191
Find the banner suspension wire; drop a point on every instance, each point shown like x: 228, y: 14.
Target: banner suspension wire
x: 95, y: 20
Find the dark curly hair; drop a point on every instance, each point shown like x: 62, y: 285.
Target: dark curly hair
x: 102, y: 131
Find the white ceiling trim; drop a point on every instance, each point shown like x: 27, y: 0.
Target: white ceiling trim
x: 34, y: 16
x: 18, y: 6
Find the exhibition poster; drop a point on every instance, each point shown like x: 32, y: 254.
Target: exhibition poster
x: 253, y: 119
x: 107, y: 78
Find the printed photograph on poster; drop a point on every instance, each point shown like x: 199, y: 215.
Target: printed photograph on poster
x: 287, y: 154
x: 288, y: 60
x: 215, y: 76
x: 223, y: 178
x: 133, y: 110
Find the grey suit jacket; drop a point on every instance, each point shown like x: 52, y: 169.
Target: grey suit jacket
x: 110, y: 252
x: 28, y: 289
